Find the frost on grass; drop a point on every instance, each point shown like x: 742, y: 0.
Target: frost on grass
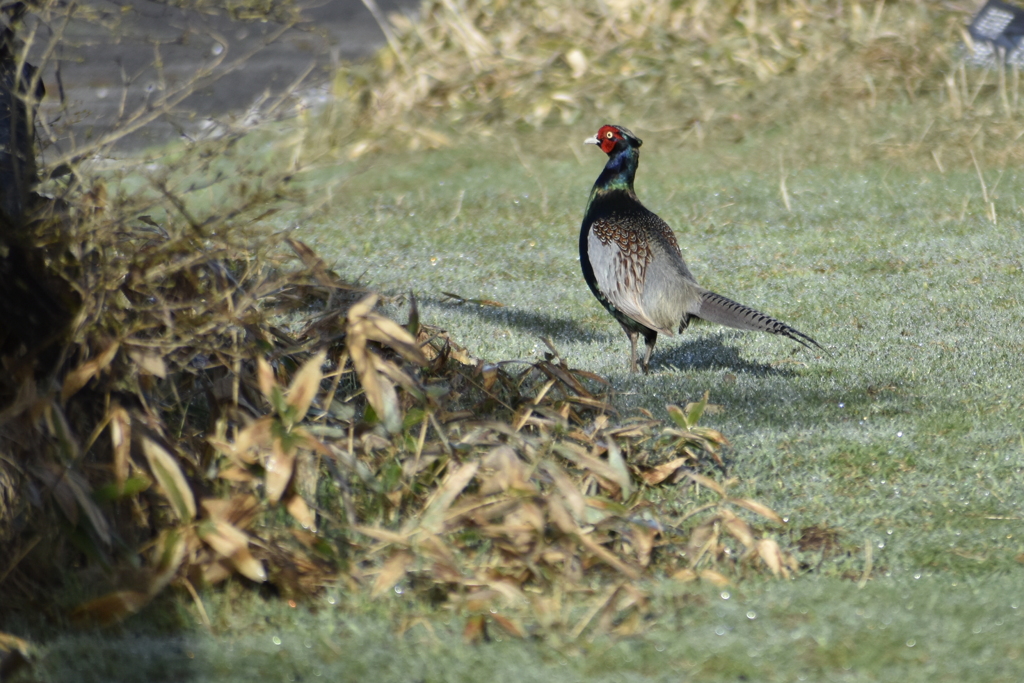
x: 244, y: 416
x: 222, y: 407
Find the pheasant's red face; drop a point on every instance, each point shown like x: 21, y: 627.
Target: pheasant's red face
x: 607, y: 137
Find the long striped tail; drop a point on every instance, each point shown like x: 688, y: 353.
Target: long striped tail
x: 718, y: 309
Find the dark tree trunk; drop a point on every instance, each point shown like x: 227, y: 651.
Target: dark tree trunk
x: 33, y: 313
x: 17, y: 151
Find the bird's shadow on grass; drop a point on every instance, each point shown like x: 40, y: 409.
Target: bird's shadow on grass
x: 705, y: 352
x: 559, y: 329
x: 709, y: 352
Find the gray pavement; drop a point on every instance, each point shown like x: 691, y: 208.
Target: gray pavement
x: 127, y: 54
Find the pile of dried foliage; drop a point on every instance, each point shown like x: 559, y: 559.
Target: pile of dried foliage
x: 887, y: 78
x: 218, y: 411
x: 214, y: 405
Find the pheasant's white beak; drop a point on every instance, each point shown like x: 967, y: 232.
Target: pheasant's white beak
x: 592, y: 141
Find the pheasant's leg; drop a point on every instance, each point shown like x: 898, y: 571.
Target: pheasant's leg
x: 632, y: 349
x: 650, y: 339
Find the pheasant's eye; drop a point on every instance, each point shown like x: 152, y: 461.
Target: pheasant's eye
x: 609, y: 135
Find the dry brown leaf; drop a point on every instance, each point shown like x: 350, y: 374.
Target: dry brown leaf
x: 480, y: 600
x: 703, y: 538
x: 223, y: 537
x: 599, y: 604
x: 176, y: 489
x: 711, y: 576
x: 642, y: 537
x: 255, y: 435
x: 559, y: 515
x: 446, y: 572
x: 629, y: 626
x: 304, y: 537
x: 758, y: 508
x: 11, y: 643
x: 475, y: 630
x: 685, y: 575
x: 80, y: 376
x: 280, y: 465
x: 383, y: 535
x: 482, y: 510
x: 314, y: 264
x: 305, y: 385
x: 120, y: 441
x: 510, y: 592
x: 435, y: 547
x: 574, y: 500
x: 655, y: 476
x: 592, y: 403
x: 770, y: 552
x: 390, y: 333
x: 219, y: 570
x: 586, y: 461
x: 380, y: 393
x: 526, y: 520
x: 392, y: 572
x: 489, y: 373
x: 706, y: 482
x: 524, y: 414
x: 298, y: 509
x: 233, y: 544
x: 739, y: 529
x: 618, y: 465
x: 608, y: 557
x: 149, y: 361
x: 225, y: 448
x: 714, y: 436
x: 308, y: 441
x: 392, y: 372
x: 564, y: 375
x: 501, y: 469
x: 433, y: 516
x: 110, y: 609
x: 248, y: 566
x: 239, y: 510
x: 510, y: 626
x: 265, y: 377
x: 362, y: 308
x: 461, y: 355
x: 236, y: 474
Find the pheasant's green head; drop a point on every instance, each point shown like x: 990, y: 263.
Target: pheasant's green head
x: 614, y: 138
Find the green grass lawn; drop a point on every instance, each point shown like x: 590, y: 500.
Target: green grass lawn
x: 812, y: 629
x: 906, y: 437
x: 908, y: 433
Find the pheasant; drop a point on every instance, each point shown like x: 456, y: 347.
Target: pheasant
x: 632, y: 263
